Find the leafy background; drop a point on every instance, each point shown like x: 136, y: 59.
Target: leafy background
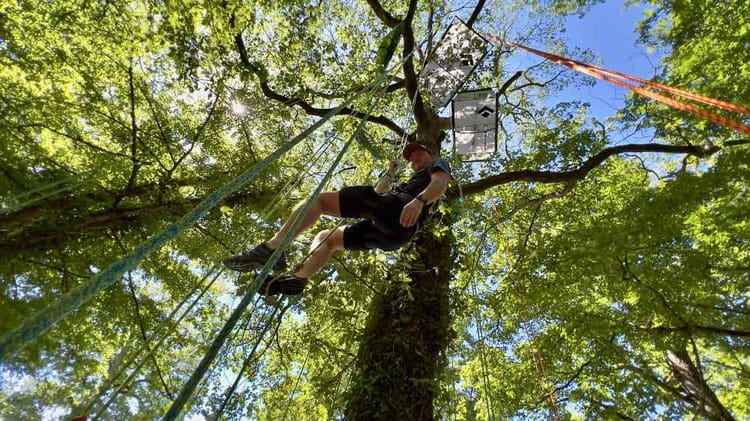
x: 576, y: 299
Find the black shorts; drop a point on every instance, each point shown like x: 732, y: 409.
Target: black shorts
x: 381, y: 229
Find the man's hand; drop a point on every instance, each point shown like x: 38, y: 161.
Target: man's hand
x: 384, y: 184
x: 392, y: 167
x: 411, y: 212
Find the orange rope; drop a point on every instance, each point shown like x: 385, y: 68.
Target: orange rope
x: 611, y: 76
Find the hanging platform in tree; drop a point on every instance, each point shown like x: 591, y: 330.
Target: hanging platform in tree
x: 474, y: 122
x: 456, y: 56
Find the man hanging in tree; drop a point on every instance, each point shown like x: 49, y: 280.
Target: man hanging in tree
x: 392, y: 217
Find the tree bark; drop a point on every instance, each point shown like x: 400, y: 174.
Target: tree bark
x: 698, y: 393
x: 403, y: 348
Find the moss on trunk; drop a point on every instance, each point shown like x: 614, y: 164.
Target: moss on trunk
x: 403, y: 347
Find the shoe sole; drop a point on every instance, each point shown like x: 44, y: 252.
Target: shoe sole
x: 241, y: 265
x: 274, y: 287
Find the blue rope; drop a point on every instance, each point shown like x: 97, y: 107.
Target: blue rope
x: 30, y: 330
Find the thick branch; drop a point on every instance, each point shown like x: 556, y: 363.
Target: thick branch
x: 423, y: 116
x: 698, y: 329
x: 50, y: 232
x: 475, y: 14
x: 698, y: 393
x: 737, y: 142
x: 580, y: 172
x: 133, y: 142
x: 383, y: 14
x: 653, y: 379
x: 306, y: 106
x: 396, y: 85
x: 508, y: 82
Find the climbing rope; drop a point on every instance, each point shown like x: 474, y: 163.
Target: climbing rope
x: 218, y: 342
x: 616, y: 78
x: 13, y: 341
x: 480, y: 329
x: 29, y: 197
x: 522, y: 308
x: 166, y: 330
x: 270, y: 208
x: 237, y: 335
x: 230, y: 391
x: 188, y: 388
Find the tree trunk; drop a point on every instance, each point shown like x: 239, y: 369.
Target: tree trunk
x: 403, y: 349
x: 697, y: 391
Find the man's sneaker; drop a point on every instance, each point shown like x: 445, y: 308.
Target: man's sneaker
x: 253, y: 258
x: 286, y: 284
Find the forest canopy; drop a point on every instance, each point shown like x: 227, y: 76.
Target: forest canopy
x: 590, y: 269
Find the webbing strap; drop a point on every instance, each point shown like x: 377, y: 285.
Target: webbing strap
x: 615, y: 77
x: 34, y: 327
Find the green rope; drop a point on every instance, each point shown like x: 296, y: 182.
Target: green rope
x: 137, y: 368
x: 218, y: 342
x: 29, y: 197
x: 480, y: 329
x: 13, y: 341
x: 353, y: 137
x: 238, y: 334
x: 246, y: 363
x: 296, y: 383
x: 187, y: 390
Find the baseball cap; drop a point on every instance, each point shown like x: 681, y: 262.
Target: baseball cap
x: 410, y: 147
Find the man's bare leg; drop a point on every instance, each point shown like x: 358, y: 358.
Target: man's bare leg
x: 327, y: 203
x: 325, y: 243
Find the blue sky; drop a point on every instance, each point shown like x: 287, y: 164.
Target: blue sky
x: 609, y: 31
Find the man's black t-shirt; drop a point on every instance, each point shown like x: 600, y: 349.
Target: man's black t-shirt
x: 420, y: 179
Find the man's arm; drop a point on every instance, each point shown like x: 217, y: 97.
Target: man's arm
x: 387, y: 180
x: 438, y: 183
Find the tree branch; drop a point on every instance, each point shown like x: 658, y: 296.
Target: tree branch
x: 579, y: 173
x: 653, y: 379
x: 475, y: 14
x: 142, y: 329
x: 737, y: 142
x: 198, y: 134
x: 698, y: 329
x: 383, y: 14
x: 508, y: 82
x: 133, y: 142
x: 76, y: 138
x: 305, y: 105
x: 162, y: 133
x: 424, y: 117
x: 43, y: 233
